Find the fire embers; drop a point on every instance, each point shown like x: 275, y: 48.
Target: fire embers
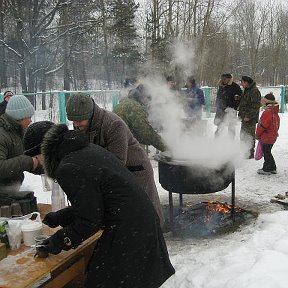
x: 208, y: 219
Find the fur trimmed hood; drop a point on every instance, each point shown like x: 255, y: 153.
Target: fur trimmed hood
x: 58, y: 142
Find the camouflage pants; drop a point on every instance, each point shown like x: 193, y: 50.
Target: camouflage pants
x: 247, y: 135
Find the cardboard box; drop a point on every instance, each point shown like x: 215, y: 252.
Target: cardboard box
x: 3, y: 251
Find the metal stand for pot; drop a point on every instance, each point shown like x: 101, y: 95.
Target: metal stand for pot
x: 171, y: 213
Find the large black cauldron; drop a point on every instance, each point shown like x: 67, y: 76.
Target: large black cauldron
x: 186, y: 178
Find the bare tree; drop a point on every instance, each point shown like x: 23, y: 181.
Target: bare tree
x: 3, y: 62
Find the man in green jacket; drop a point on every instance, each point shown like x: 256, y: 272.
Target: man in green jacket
x: 250, y: 104
x: 133, y: 110
x: 13, y: 163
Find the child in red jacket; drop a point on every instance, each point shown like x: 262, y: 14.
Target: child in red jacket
x: 267, y: 133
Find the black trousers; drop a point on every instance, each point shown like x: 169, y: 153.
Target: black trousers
x: 269, y: 162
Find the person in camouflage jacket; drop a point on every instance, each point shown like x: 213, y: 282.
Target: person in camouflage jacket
x: 134, y: 112
x: 249, y: 107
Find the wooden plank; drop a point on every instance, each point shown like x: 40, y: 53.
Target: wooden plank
x: 77, y: 270
x: 21, y: 269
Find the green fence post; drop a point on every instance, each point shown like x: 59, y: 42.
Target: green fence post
x: 62, y: 108
x: 207, y: 93
x: 115, y: 100
x: 283, y: 96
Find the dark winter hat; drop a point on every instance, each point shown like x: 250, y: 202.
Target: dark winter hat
x: 247, y: 79
x: 134, y: 94
x: 79, y: 107
x: 269, y: 98
x: 34, y: 136
x: 226, y: 75
x: 8, y: 93
x: 191, y: 79
x: 19, y: 107
x: 170, y: 78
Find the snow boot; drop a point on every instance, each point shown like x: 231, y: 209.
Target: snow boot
x: 262, y: 172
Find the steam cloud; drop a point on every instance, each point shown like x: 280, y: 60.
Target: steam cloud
x: 197, y: 144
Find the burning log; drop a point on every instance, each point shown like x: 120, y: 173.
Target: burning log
x: 208, y: 218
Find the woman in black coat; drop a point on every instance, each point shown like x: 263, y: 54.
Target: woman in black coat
x: 131, y: 253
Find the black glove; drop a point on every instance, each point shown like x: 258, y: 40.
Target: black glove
x: 51, y: 219
x: 53, y: 245
x: 62, y: 217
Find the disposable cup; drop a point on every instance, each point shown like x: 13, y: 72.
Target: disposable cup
x: 14, y: 236
x: 30, y: 231
x: 46, y: 183
x: 5, y: 211
x: 16, y: 210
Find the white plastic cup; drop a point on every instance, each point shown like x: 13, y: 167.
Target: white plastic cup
x: 14, y: 234
x: 46, y: 183
x: 30, y: 231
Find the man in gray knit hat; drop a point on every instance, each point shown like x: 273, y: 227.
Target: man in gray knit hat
x: 13, y: 163
x: 108, y: 130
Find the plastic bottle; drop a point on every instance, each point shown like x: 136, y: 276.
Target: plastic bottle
x: 57, y: 197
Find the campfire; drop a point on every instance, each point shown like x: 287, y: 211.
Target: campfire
x: 208, y: 219
x: 204, y: 219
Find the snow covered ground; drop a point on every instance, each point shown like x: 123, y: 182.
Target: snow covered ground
x: 256, y: 255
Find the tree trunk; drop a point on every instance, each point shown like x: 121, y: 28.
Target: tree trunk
x: 23, y: 81
x: 66, y: 46
x: 3, y: 62
x: 106, y: 48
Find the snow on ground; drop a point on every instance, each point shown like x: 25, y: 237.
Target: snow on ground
x: 256, y: 255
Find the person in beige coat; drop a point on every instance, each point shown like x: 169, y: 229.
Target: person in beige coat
x: 108, y: 130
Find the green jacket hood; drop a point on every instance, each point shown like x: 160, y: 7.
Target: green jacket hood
x: 10, y: 124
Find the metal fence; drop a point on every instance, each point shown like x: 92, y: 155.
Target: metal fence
x: 50, y: 105
x: 279, y: 92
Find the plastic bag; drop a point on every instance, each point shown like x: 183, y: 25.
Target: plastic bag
x: 3, y: 234
x: 259, y: 151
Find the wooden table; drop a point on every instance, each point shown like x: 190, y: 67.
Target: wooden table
x: 20, y: 269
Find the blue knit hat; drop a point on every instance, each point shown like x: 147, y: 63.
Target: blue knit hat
x: 19, y: 107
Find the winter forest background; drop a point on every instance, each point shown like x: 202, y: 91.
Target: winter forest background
x: 96, y: 44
